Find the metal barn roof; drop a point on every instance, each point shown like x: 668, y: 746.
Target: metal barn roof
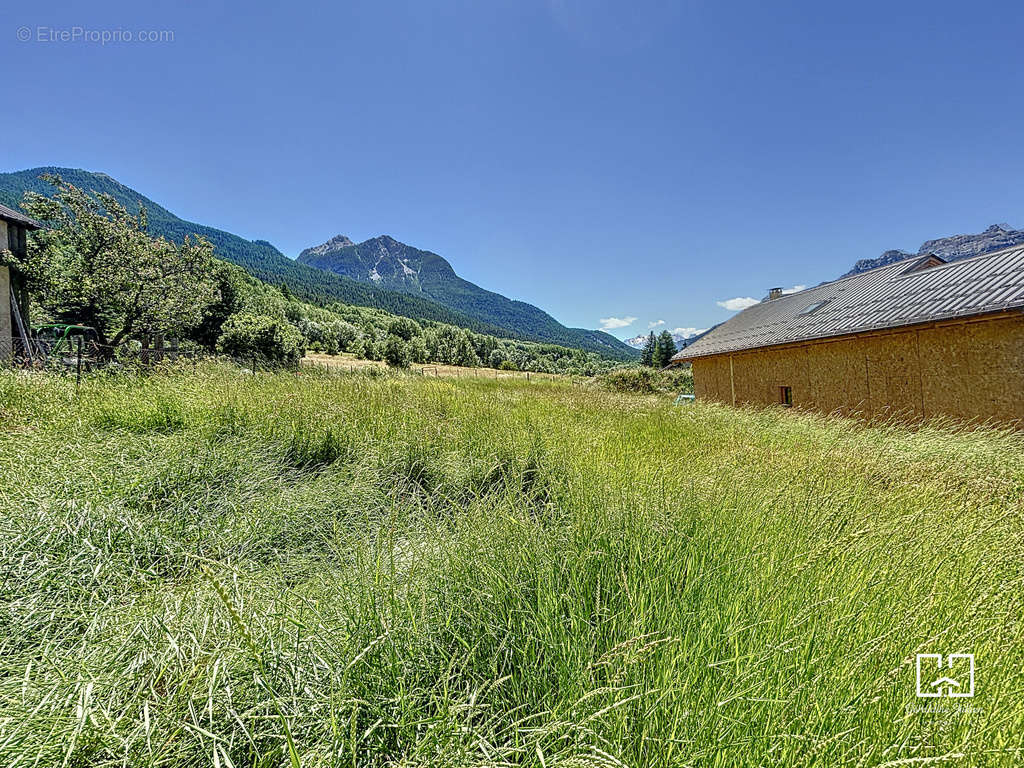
x: 904, y: 293
x: 9, y: 214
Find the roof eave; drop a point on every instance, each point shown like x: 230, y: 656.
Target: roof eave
x: 13, y: 216
x: 1008, y: 307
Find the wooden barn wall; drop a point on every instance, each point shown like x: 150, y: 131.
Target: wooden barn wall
x: 970, y: 370
x: 711, y: 379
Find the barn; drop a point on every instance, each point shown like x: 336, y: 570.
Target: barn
x: 917, y: 338
x: 14, y: 320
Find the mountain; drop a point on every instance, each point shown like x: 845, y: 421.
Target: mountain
x: 995, y: 238
x: 385, y: 262
x: 681, y: 339
x: 258, y: 257
x: 264, y: 261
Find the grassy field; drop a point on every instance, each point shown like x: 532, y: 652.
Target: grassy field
x: 233, y: 570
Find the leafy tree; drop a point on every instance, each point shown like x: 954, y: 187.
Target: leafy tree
x: 94, y: 263
x: 647, y: 354
x: 464, y: 353
x: 446, y: 342
x: 418, y: 350
x: 496, y: 358
x: 270, y: 339
x: 404, y: 328
x: 371, y: 348
x: 232, y: 290
x: 346, y: 334
x: 396, y: 351
x: 664, y: 349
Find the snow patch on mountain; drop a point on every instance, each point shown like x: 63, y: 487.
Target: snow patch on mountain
x: 681, y: 336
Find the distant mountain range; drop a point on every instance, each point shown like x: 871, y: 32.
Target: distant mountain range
x: 437, y: 293
x: 995, y: 238
x: 681, y: 339
x: 385, y: 262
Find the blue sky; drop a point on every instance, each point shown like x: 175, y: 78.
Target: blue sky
x: 602, y: 160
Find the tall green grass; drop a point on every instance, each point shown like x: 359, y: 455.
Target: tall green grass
x: 235, y: 570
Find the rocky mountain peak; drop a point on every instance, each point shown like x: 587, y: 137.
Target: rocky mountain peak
x: 994, y: 238
x: 335, y: 243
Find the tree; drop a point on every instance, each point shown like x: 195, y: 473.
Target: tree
x: 496, y: 358
x: 232, y: 292
x: 404, y: 328
x: 94, y: 264
x: 418, y: 349
x: 272, y: 340
x: 396, y: 351
x: 664, y: 349
x: 647, y: 354
x: 346, y: 334
x: 465, y: 355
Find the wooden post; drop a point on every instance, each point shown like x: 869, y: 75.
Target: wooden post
x: 732, y: 382
x: 78, y: 365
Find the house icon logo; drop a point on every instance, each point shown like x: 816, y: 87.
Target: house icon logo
x: 954, y: 679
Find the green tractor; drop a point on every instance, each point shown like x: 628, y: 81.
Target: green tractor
x: 60, y: 344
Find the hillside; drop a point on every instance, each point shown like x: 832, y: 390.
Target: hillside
x: 385, y: 262
x: 264, y: 261
x: 995, y: 238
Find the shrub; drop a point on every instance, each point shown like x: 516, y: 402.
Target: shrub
x: 648, y: 381
x: 396, y: 352
x: 272, y: 340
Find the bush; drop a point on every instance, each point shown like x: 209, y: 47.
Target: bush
x: 272, y: 340
x: 396, y: 352
x: 648, y: 381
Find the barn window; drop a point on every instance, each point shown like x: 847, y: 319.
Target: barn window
x: 786, y: 396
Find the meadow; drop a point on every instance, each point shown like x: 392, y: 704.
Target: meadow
x: 226, y: 569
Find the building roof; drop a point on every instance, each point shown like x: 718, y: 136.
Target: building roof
x: 904, y: 293
x: 9, y: 214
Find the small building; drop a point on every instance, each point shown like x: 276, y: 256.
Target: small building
x: 14, y: 328
x: 917, y: 338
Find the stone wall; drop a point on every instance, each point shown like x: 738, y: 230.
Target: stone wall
x: 970, y: 370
